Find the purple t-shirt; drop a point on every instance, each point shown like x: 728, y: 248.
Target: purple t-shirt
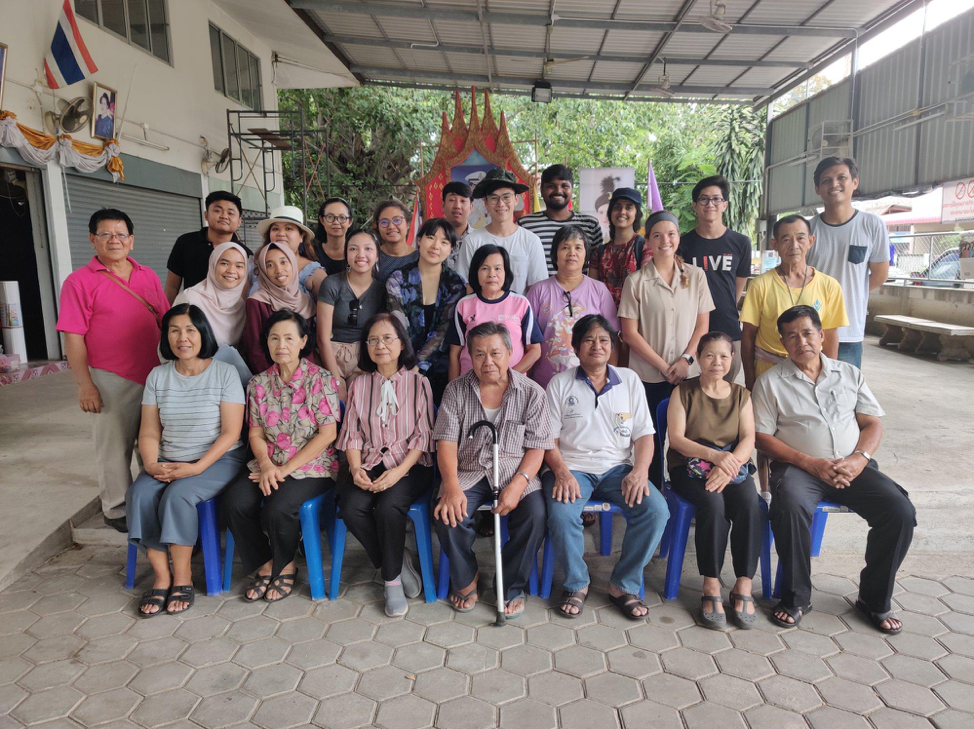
x: 551, y: 304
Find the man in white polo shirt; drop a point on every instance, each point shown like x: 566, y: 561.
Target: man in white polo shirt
x: 603, y: 449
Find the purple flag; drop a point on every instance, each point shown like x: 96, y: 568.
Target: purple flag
x: 652, y: 192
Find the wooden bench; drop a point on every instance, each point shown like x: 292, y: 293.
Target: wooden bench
x: 950, y: 342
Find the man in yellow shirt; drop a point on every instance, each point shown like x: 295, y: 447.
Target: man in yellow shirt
x: 791, y: 283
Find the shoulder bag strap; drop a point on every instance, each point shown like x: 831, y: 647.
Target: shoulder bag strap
x: 125, y: 287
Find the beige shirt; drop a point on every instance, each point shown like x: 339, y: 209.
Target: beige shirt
x: 667, y: 315
x: 815, y: 418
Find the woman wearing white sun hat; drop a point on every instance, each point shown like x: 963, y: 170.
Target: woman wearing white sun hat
x: 286, y: 225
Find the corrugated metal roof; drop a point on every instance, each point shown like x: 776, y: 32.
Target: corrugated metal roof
x: 628, y: 33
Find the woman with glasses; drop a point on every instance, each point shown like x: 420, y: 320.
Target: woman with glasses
x: 560, y: 301
x: 334, y: 220
x: 277, y: 289
x: 424, y: 297
x: 292, y: 411
x: 345, y: 303
x: 387, y: 438
x: 391, y: 223
x: 492, y: 300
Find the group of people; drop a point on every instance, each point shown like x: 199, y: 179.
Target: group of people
x: 360, y: 359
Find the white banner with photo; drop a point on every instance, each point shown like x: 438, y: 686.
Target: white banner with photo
x: 595, y: 188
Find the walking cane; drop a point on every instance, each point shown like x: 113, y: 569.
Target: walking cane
x: 495, y: 491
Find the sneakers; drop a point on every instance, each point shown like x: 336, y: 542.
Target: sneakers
x: 412, y: 582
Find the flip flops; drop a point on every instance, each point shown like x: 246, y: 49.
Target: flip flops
x: 463, y: 598
x: 877, y: 619
x: 519, y: 611
x: 713, y: 620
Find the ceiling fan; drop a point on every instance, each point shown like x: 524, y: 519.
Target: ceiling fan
x: 715, y: 21
x: 662, y: 87
x: 550, y: 62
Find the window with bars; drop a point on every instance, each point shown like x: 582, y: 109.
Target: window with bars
x: 236, y: 71
x: 143, y: 23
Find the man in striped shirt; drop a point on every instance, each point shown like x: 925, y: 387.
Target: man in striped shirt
x: 556, y: 191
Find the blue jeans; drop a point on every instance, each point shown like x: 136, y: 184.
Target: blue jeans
x: 644, y: 528
x: 851, y: 352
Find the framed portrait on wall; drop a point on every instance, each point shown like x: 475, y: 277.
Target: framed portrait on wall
x: 103, y: 117
x: 3, y: 69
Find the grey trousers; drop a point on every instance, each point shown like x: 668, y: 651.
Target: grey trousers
x: 160, y: 514
x: 116, y: 429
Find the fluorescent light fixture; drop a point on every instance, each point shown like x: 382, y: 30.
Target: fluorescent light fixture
x: 541, y: 92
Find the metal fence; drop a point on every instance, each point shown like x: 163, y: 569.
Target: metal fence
x: 927, y: 258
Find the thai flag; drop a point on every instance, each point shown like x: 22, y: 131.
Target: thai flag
x: 68, y: 60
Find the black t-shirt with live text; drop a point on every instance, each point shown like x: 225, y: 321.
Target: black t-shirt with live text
x: 723, y: 260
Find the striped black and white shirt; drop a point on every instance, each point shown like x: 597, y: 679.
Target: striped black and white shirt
x: 545, y: 228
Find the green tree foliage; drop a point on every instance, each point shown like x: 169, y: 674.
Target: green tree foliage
x: 375, y: 135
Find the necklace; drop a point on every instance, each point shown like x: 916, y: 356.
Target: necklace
x: 788, y: 288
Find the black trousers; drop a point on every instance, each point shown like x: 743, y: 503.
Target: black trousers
x: 525, y: 526
x: 268, y: 527
x: 656, y: 392
x: 738, y: 504
x: 874, y: 496
x: 378, y: 520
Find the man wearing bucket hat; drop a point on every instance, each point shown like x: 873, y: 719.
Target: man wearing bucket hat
x: 286, y: 225
x: 499, y: 190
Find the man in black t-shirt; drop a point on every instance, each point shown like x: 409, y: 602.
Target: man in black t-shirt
x: 189, y: 260
x: 725, y: 257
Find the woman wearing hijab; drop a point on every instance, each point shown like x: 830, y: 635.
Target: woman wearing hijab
x: 277, y: 289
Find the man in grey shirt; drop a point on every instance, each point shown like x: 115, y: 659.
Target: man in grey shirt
x: 817, y: 421
x: 851, y: 246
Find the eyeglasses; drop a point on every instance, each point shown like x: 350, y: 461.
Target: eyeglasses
x: 568, y: 298
x: 329, y: 218
x: 705, y: 201
x: 105, y: 237
x: 387, y: 340
x: 397, y: 221
x: 507, y: 199
x: 353, y: 308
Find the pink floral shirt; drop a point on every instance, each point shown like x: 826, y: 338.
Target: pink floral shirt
x: 291, y: 413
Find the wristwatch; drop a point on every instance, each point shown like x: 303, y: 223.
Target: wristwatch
x: 863, y: 453
x: 688, y: 358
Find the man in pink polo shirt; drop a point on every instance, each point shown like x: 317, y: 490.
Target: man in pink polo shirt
x: 110, y: 313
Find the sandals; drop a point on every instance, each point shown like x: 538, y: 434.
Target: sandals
x: 180, y: 593
x: 519, y: 611
x: 877, y: 619
x: 283, y: 584
x: 588, y: 519
x: 795, y: 613
x: 744, y: 619
x: 260, y: 585
x: 626, y: 603
x: 713, y: 620
x: 153, y: 597
x: 575, y: 598
x: 463, y: 598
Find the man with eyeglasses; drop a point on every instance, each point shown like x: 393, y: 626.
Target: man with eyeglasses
x: 556, y: 191
x: 457, y: 206
x: 110, y: 315
x: 725, y: 257
x: 189, y: 260
x: 500, y: 190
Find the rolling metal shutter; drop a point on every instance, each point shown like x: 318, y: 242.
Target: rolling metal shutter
x: 159, y: 218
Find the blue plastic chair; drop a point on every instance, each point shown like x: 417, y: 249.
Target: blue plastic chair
x: 673, y: 545
x: 605, y: 512
x: 443, y: 586
x: 419, y: 512
x: 819, y: 519
x: 210, y: 541
x: 310, y: 518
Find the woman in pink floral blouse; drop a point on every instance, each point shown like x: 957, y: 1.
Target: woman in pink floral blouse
x: 293, y: 411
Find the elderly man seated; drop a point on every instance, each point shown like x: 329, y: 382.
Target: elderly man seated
x: 603, y: 450
x: 491, y: 391
x: 818, y: 423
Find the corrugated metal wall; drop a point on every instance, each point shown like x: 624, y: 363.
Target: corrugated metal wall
x: 890, y: 159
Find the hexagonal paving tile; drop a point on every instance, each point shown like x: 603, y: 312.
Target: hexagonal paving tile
x: 894, y: 719
x: 917, y: 646
x: 363, y: 656
x: 209, y: 652
x: 161, y: 677
x: 13, y: 668
x: 585, y: 714
x: 57, y: 603
x: 102, y: 625
x: 810, y: 643
x: 958, y: 667
x: 771, y: 717
x: 146, y: 653
x: 350, y: 631
x: 555, y: 688
x: 224, y: 709
x: 758, y: 642
x: 385, y: 683
x: 830, y: 718
x: 106, y: 677
x: 10, y: 696
x: 440, y: 685
x: 273, y: 680
x: 601, y: 637
x: 673, y: 691
x: 216, y: 679
x: 734, y: 693
x: 612, y: 689
x: 50, y: 675
x: 528, y: 713
x: 255, y: 628
x: 867, y: 646
x: 430, y: 613
x: 202, y: 628
x: 466, y: 713
x: 262, y: 653
x: 313, y: 654
x: 329, y: 681
x: 706, y: 715
x: 526, y: 660
x: 787, y: 693
x: 580, y: 661
x: 418, y: 657
x: 688, y: 663
x: 399, y: 633
x: 653, y: 638
x: 48, y: 704
x: 650, y: 714
x: 550, y: 637
x: 449, y: 635
x: 910, y: 697
x: 59, y: 648
x: 405, y: 712
x: 107, y: 706
x: 917, y: 603
x: 915, y: 670
x: 634, y: 662
x: 848, y: 695
x: 951, y: 719
x: 960, y: 644
x: 855, y: 668
x: 704, y: 640
x: 165, y: 708
x: 957, y: 695
x: 345, y: 712
x: 958, y: 622
x: 291, y: 709
x: 498, y: 687
x: 670, y: 616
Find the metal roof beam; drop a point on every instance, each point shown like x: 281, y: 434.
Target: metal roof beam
x: 521, y: 53
x: 394, y: 10
x: 374, y: 72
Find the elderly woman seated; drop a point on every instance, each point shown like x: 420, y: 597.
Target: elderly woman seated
x: 387, y: 437
x: 293, y: 411
x: 491, y: 391
x: 192, y: 415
